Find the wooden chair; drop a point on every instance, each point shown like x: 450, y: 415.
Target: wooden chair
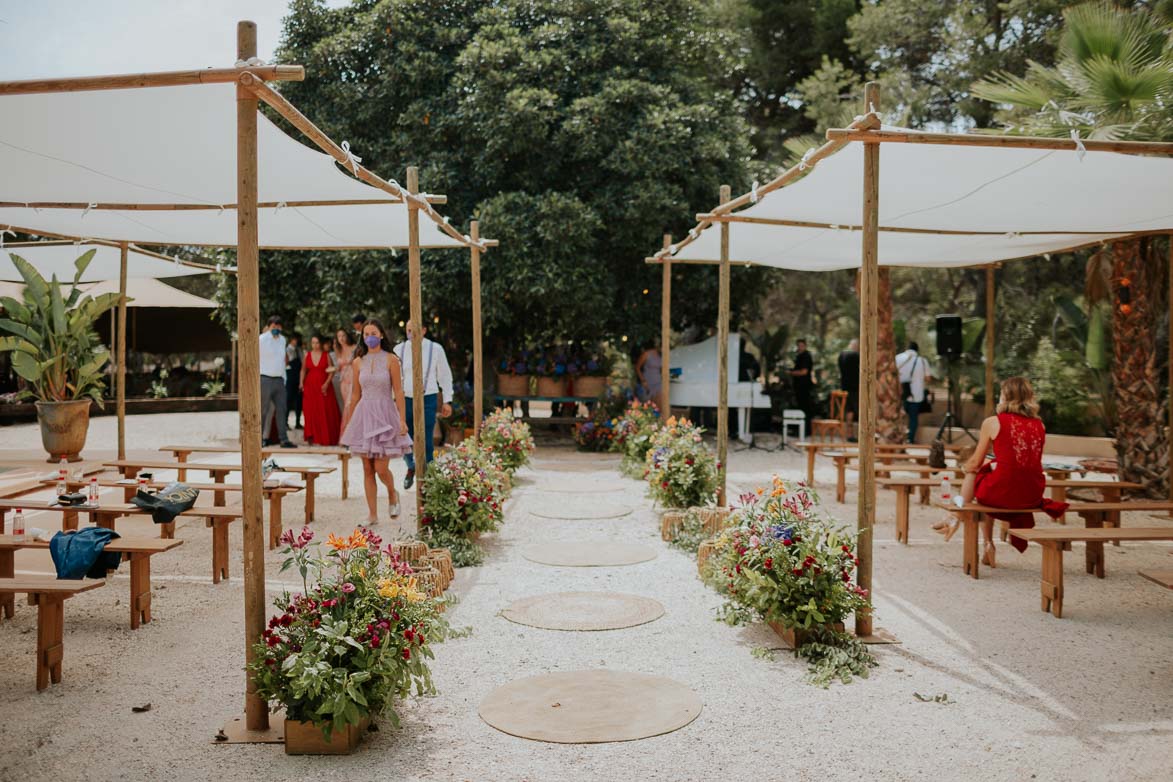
x: 825, y: 428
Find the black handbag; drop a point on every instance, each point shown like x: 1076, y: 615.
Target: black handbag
x: 926, y: 404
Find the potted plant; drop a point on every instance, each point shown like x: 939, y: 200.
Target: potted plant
x: 550, y: 369
x: 513, y: 374
x: 681, y: 472
x: 464, y: 496
x: 460, y: 423
x: 508, y: 438
x: 590, y: 372
x: 339, y: 653
x: 634, y: 428
x: 56, y: 351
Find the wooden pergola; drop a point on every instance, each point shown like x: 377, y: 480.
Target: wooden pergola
x: 868, y: 130
x: 252, y: 89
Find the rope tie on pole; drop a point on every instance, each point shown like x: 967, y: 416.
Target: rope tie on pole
x: 8, y: 231
x: 806, y: 156
x: 1080, y: 149
x: 351, y: 159
x: 753, y: 192
x: 89, y: 206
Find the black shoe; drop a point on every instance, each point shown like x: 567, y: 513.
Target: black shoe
x: 287, y: 444
x: 409, y: 479
x: 268, y: 443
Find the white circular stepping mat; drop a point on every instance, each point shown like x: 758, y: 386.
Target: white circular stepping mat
x: 561, y: 509
x: 584, y: 611
x: 590, y: 707
x: 588, y: 553
x: 585, y: 487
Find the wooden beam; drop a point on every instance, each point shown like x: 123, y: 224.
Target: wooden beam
x: 989, y: 406
x: 1170, y: 390
x: 869, y: 285
x: 417, y: 336
x: 693, y: 262
x: 709, y: 216
x: 120, y: 379
x: 478, y: 375
x: 248, y: 318
x: 161, y: 79
x: 108, y: 243
x: 990, y: 140
x: 665, y: 333
x: 181, y: 207
x: 723, y: 359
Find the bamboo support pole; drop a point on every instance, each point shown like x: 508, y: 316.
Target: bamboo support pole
x: 868, y: 319
x: 232, y: 364
x: 665, y: 333
x: 248, y: 331
x: 723, y: 358
x: 989, y: 406
x: 161, y: 79
x: 180, y: 207
x: 105, y: 243
x: 417, y: 342
x: 478, y: 375
x: 120, y: 378
x: 989, y: 140
x: 1169, y: 441
x: 710, y: 217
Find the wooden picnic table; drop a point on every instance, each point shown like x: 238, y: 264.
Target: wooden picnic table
x: 181, y: 452
x: 137, y: 551
x: 1110, y: 491
x: 130, y: 468
x: 49, y: 595
x: 106, y: 515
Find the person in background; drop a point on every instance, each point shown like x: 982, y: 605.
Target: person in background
x: 343, y: 355
x: 293, y: 354
x: 437, y: 394
x: 647, y: 371
x: 322, y: 416
x: 357, y: 322
x: 849, y: 382
x: 377, y: 430
x: 804, y: 380
x: 915, y: 375
x: 273, y: 361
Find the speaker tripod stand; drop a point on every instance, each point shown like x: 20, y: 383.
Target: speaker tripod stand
x: 950, y: 421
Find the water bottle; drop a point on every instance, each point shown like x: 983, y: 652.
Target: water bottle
x: 142, y: 484
x: 93, y: 495
x: 946, y: 489
x: 18, y: 524
x: 62, y: 477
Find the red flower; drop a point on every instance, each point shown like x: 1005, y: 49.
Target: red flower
x: 406, y: 653
x: 769, y: 563
x: 787, y: 542
x: 375, y: 641
x: 797, y: 571
x: 408, y: 633
x: 846, y: 576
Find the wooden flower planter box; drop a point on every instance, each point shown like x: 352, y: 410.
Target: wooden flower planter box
x: 589, y: 385
x: 796, y: 637
x: 512, y: 385
x: 306, y: 738
x: 552, y: 386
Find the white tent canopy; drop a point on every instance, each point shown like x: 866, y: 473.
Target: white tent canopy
x: 168, y: 154
x: 52, y: 258
x: 145, y: 292
x: 989, y: 203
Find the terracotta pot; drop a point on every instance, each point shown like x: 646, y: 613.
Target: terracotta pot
x: 63, y: 428
x: 796, y: 637
x: 587, y: 385
x: 469, y: 432
x: 551, y: 386
x: 306, y: 738
x: 513, y: 385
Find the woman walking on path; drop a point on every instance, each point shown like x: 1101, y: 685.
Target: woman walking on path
x: 1014, y: 478
x: 344, y: 349
x: 323, y: 419
x: 647, y: 369
x: 377, y: 430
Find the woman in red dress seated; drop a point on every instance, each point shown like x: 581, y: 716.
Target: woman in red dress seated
x: 1014, y: 478
x: 319, y: 407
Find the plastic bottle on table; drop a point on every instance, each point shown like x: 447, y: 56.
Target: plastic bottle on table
x: 62, y: 477
x: 94, y: 494
x: 18, y: 524
x: 946, y: 488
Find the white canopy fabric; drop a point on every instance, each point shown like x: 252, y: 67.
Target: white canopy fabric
x: 58, y: 259
x: 1020, y: 203
x: 145, y: 292
x: 177, y: 146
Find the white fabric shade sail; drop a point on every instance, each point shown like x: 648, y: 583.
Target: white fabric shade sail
x: 146, y: 292
x: 58, y: 258
x: 989, y: 203
x: 170, y: 153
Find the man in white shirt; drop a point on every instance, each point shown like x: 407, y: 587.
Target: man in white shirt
x: 437, y: 382
x: 915, y: 375
x: 273, y: 361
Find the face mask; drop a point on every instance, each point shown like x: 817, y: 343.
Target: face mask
x: 372, y: 341
x: 276, y: 332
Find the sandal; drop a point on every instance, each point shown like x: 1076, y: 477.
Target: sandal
x: 988, y: 555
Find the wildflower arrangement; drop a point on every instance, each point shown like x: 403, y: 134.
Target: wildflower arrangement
x: 679, y: 469
x: 516, y: 362
x: 633, y: 434
x: 464, y: 491
x: 507, y: 437
x: 353, y: 641
x: 594, y: 435
x: 462, y: 406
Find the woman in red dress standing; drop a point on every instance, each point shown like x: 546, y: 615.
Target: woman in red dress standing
x: 1015, y: 478
x: 323, y: 421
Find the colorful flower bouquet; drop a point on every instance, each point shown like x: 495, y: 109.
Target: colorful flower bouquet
x: 594, y: 435
x: 353, y: 641
x: 508, y: 438
x: 680, y: 470
x: 464, y: 491
x: 633, y: 435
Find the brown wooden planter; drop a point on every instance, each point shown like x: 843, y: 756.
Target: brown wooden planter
x: 703, y: 552
x: 713, y: 519
x: 306, y: 738
x: 670, y: 523
x: 551, y: 386
x: 589, y: 385
x: 796, y: 637
x: 512, y: 385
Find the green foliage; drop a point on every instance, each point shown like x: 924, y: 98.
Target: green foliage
x: 690, y: 533
x: 634, y: 429
x: 465, y: 552
x: 1059, y: 384
x: 833, y: 655
x: 464, y: 491
x: 681, y: 471
x: 51, y: 335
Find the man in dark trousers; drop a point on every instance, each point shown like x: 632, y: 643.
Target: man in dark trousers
x: 849, y: 382
x: 804, y: 380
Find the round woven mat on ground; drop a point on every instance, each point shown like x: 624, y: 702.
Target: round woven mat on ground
x: 584, y: 611
x: 560, y: 509
x: 585, y: 487
x: 588, y: 553
x: 590, y: 707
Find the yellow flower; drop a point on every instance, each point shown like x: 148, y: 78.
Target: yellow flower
x: 392, y: 588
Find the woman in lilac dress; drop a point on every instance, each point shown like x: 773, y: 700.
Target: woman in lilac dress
x: 375, y: 429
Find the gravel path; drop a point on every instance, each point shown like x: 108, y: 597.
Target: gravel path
x: 1088, y: 697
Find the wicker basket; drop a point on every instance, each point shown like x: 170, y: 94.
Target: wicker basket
x: 590, y: 385
x: 436, y: 563
x: 512, y: 385
x: 444, y: 557
x: 428, y: 580
x: 713, y: 519
x: 670, y: 523
x: 703, y: 552
x: 410, y: 551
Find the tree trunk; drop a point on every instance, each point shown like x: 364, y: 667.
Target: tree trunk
x: 890, y: 418
x: 1141, y: 441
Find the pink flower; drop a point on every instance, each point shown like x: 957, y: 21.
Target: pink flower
x: 348, y: 587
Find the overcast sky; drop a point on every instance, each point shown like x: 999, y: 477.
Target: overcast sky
x: 85, y: 37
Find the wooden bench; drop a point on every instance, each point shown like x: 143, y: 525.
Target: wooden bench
x: 49, y: 595
x: 1159, y: 577
x: 1096, y: 515
x: 274, y: 494
x: 1110, y: 491
x: 1054, y: 541
x: 813, y: 448
x: 181, y: 452
x: 136, y: 551
x: 106, y: 516
x: 130, y: 468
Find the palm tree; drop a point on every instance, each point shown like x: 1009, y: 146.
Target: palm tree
x: 890, y: 415
x: 1113, y: 79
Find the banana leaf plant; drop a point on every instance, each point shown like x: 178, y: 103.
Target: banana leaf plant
x: 51, y: 335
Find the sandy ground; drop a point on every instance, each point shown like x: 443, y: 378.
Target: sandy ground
x: 1088, y: 697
